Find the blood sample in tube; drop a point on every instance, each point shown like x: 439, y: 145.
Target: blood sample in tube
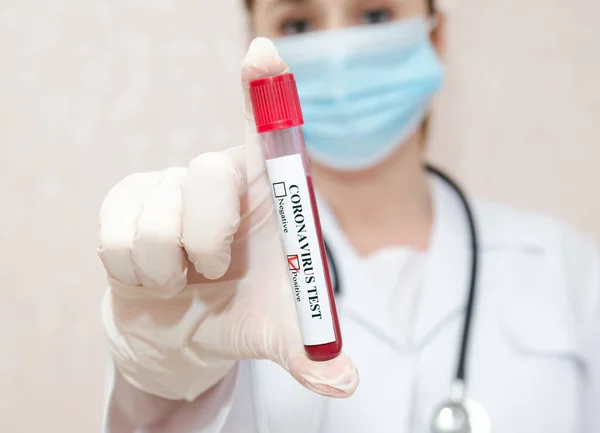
x: 279, y: 121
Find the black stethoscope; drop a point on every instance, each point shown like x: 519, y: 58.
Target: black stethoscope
x: 457, y: 414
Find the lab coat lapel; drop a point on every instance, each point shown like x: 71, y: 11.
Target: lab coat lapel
x: 448, y: 264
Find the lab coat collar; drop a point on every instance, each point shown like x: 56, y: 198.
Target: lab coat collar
x: 444, y: 287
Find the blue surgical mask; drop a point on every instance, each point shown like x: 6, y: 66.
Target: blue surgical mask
x: 364, y: 90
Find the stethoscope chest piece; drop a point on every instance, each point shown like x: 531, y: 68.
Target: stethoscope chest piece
x: 467, y: 416
x: 451, y: 417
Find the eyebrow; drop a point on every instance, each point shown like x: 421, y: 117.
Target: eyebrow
x: 283, y: 2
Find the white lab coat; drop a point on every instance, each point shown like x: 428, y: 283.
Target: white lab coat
x: 534, y: 357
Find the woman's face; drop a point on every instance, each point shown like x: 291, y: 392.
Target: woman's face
x: 276, y: 18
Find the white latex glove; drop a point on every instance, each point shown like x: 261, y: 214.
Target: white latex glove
x: 198, y: 275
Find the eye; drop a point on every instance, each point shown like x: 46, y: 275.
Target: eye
x: 293, y: 27
x: 376, y: 16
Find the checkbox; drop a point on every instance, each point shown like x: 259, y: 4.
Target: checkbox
x: 293, y: 263
x: 279, y: 190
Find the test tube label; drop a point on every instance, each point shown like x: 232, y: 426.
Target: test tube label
x: 302, y: 246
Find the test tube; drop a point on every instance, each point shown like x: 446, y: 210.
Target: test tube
x: 279, y: 121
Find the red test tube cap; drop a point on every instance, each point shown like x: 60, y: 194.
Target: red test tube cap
x: 275, y: 103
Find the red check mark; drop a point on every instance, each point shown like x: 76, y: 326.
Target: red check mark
x: 293, y: 263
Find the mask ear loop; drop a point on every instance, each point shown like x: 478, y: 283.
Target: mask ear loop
x: 432, y: 22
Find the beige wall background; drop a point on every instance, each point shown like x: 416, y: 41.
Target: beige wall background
x: 519, y: 121
x: 90, y: 91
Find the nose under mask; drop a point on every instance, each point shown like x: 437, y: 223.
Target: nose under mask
x: 364, y: 90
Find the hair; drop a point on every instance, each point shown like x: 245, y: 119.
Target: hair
x: 430, y: 4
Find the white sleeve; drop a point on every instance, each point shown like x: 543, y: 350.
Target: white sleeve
x: 584, y: 271
x: 592, y: 356
x: 130, y: 410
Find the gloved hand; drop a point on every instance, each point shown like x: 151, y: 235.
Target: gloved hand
x: 197, y: 272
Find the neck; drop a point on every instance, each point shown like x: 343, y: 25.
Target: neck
x: 383, y: 206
